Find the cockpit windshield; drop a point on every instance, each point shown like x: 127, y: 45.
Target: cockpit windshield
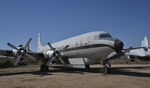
x: 106, y: 35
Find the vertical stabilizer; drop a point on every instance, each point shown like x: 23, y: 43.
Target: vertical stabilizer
x: 144, y: 43
x: 39, y: 44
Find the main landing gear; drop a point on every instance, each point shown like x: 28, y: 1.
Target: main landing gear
x: 44, y: 68
x: 106, y: 67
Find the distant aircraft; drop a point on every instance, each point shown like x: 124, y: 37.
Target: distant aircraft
x: 80, y: 51
x: 142, y: 53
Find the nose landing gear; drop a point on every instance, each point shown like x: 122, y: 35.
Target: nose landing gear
x: 106, y: 67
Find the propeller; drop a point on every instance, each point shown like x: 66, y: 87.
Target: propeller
x: 21, y: 51
x: 57, y: 55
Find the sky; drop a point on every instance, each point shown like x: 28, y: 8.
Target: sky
x: 127, y: 20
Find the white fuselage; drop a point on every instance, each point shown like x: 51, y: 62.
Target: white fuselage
x: 94, y: 46
x: 140, y: 52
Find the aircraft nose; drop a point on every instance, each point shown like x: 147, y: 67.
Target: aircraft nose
x: 118, y: 46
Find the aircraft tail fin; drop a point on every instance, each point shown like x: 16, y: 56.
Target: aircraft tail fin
x: 39, y: 44
x: 144, y: 43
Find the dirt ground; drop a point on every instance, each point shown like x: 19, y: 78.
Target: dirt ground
x: 122, y: 76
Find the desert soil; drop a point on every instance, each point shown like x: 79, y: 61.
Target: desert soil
x: 121, y: 76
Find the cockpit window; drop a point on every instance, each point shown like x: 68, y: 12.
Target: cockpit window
x: 105, y: 36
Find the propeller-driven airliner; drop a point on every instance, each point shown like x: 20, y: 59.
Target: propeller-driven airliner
x: 79, y: 51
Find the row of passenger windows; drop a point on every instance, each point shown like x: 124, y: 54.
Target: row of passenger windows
x: 76, y: 44
x: 105, y: 35
x: 61, y: 47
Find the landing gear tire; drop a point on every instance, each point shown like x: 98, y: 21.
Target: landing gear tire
x: 106, y: 67
x: 105, y: 70
x: 44, y: 68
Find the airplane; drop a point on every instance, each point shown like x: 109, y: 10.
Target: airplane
x: 80, y: 51
x: 141, y: 53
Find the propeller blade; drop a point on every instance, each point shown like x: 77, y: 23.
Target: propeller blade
x: 61, y: 60
x: 31, y: 57
x: 28, y: 43
x: 12, y: 46
x: 50, y: 61
x: 50, y: 46
x: 29, y: 48
x: 17, y: 60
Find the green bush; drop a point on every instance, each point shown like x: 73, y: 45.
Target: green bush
x: 5, y: 62
x: 9, y: 62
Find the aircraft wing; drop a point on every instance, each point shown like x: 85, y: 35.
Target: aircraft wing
x: 36, y: 54
x: 10, y: 53
x: 6, y: 53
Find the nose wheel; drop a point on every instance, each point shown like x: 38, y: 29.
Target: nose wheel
x: 106, y: 67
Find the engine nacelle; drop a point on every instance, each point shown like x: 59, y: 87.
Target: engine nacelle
x: 21, y: 50
x: 15, y: 52
x: 48, y: 54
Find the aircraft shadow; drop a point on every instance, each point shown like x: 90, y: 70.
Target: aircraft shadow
x: 125, y: 71
x: 63, y: 69
x: 114, y: 71
x: 31, y: 72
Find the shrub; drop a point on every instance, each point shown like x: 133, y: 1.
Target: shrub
x: 5, y: 62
